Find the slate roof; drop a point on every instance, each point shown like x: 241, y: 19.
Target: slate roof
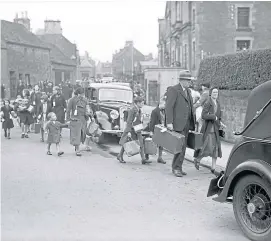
x: 58, y: 57
x: 61, y: 42
x: 18, y: 34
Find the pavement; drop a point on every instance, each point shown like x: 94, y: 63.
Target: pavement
x: 94, y: 197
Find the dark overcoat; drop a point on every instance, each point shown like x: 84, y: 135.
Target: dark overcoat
x: 134, y: 118
x: 35, y: 100
x: 58, y: 106
x: 77, y: 114
x: 209, y: 117
x: 8, y: 122
x: 54, y: 131
x: 179, y: 108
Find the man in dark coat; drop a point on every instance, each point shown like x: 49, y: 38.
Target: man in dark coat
x: 180, y: 117
x: 20, y: 88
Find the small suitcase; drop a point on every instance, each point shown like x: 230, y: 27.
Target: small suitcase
x: 194, y: 140
x: 150, y: 148
x: 131, y: 148
x: 169, y: 140
x: 37, y: 127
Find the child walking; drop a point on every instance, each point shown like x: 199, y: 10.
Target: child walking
x: 53, y: 127
x: 7, y: 113
x: 44, y: 111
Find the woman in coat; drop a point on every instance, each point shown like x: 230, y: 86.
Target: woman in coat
x: 134, y: 118
x: 158, y: 117
x: 44, y: 110
x: 78, y: 114
x: 58, y: 104
x: 211, y: 115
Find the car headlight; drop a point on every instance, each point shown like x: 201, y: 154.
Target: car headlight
x: 114, y: 114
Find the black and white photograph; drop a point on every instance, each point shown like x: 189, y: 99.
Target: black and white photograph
x: 132, y: 120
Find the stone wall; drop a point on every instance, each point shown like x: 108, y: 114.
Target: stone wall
x: 233, y: 104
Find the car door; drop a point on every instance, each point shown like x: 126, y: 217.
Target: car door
x: 93, y: 99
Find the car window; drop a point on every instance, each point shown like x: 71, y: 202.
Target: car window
x: 116, y: 95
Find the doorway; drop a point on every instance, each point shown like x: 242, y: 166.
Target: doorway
x: 13, y: 84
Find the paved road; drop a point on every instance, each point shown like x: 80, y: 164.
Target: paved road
x: 93, y: 197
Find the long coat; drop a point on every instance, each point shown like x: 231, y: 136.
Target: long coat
x: 54, y: 131
x: 209, y: 117
x: 35, y: 100
x: 77, y: 114
x: 58, y: 106
x: 44, y: 110
x: 179, y: 108
x: 134, y: 118
x: 8, y: 122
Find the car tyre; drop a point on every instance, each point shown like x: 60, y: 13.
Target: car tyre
x: 241, y: 212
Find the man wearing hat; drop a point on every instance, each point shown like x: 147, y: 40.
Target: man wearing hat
x: 180, y: 116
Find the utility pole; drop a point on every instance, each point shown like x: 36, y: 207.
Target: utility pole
x: 132, y: 44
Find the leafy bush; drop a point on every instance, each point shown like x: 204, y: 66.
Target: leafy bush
x: 240, y: 71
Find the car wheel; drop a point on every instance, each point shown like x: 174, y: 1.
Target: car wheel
x: 252, y: 207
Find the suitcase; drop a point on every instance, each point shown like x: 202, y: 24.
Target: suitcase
x: 37, y: 127
x: 194, y: 140
x: 131, y: 148
x: 150, y: 148
x: 169, y: 140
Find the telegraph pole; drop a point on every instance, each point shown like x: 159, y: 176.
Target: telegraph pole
x: 132, y: 63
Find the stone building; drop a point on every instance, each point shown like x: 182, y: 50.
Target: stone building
x: 52, y: 34
x: 192, y: 30
x: 87, y: 67
x: 103, y: 69
x: 23, y: 55
x: 124, y: 60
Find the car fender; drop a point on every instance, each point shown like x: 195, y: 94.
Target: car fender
x: 257, y: 167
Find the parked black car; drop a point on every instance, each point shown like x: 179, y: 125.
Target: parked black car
x: 110, y: 104
x: 246, y: 182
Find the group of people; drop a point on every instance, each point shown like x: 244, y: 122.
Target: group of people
x: 181, y: 110
x: 50, y: 113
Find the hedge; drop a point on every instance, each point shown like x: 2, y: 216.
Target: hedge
x: 240, y: 71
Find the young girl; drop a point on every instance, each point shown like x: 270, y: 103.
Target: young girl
x: 44, y: 111
x: 53, y: 127
x: 7, y: 112
x: 26, y: 118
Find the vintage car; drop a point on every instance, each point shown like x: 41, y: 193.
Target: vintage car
x: 246, y: 181
x: 110, y: 104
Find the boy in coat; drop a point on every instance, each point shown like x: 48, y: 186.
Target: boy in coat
x: 134, y: 118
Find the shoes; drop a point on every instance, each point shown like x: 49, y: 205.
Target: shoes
x: 22, y: 136
x: 183, y: 173
x: 60, y: 153
x: 49, y: 153
x: 145, y: 161
x: 42, y: 140
x: 160, y: 160
x: 78, y: 153
x: 196, y: 162
x: 120, y: 159
x: 177, y: 173
x: 26, y: 136
x: 213, y: 171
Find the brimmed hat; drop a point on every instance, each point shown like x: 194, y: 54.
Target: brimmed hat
x: 185, y: 75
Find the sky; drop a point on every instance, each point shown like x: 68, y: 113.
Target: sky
x: 99, y: 27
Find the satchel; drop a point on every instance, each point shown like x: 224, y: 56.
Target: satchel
x: 138, y: 128
x: 92, y: 128
x: 222, y: 133
x: 131, y: 148
x: 150, y: 148
x: 194, y: 140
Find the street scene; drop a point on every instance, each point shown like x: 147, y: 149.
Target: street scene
x: 112, y: 136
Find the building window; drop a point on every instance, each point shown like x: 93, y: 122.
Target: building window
x: 243, y: 17
x: 243, y: 45
x: 194, y: 54
x: 193, y: 19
